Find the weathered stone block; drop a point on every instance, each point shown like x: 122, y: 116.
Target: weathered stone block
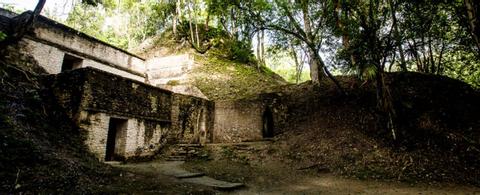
x: 237, y: 121
x: 153, y: 117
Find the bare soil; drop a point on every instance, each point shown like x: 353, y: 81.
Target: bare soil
x: 277, y: 178
x: 437, y: 126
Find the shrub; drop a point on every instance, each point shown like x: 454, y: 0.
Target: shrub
x: 3, y: 36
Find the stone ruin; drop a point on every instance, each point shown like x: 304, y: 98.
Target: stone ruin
x: 107, y: 92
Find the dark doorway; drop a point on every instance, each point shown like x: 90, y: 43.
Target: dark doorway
x: 71, y: 62
x: 117, y: 129
x: 267, y: 124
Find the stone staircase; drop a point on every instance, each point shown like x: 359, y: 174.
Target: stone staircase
x: 172, y: 73
x: 174, y: 169
x: 161, y: 70
x: 182, y: 152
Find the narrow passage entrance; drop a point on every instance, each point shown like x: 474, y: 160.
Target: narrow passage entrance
x: 267, y: 130
x: 117, y: 130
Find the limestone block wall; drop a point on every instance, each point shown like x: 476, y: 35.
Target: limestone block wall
x: 95, y: 126
x: 105, y: 92
x: 49, y: 41
x: 192, y: 119
x: 237, y: 121
x: 50, y: 58
x: 142, y: 137
x: 93, y: 97
x: 153, y: 117
x: 281, y: 108
x: 7, y: 13
x: 160, y: 70
x: 94, y: 64
x: 54, y: 33
x: 4, y: 22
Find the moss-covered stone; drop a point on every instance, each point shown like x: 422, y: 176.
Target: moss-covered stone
x: 96, y: 90
x: 221, y: 79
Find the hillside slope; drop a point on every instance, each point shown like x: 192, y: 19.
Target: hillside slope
x: 41, y: 150
x: 217, y: 76
x: 221, y: 79
x: 438, y: 130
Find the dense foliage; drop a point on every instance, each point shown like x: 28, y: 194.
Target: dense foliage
x: 361, y: 37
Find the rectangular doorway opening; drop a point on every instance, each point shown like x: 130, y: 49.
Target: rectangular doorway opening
x: 71, y: 62
x: 116, y: 138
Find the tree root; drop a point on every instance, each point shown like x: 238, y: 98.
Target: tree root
x: 334, y: 80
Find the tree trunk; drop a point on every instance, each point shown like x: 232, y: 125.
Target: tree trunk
x: 315, y: 66
x: 174, y: 25
x: 192, y: 37
x: 180, y: 3
x: 262, y: 46
x: 432, y: 61
x: 234, y: 22
x: 207, y: 21
x: 21, y: 25
x: 315, y: 61
x: 175, y: 18
x: 398, y: 38
x: 259, y: 57
x: 37, y: 10
x: 298, y: 66
x: 472, y: 8
x: 340, y: 21
x: 196, y: 22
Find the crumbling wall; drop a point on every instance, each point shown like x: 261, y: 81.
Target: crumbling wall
x: 49, y: 41
x: 192, y: 119
x: 93, y: 97
x: 142, y: 137
x: 237, y: 121
x: 68, y: 90
x: 66, y: 38
x: 114, y: 70
x: 155, y: 117
x: 277, y: 103
x: 50, y: 58
x: 4, y: 22
x: 117, y: 95
x: 7, y: 13
x: 161, y: 70
x: 250, y: 119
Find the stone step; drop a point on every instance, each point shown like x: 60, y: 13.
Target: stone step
x: 185, y: 150
x: 176, y: 158
x: 179, y: 153
x: 189, y: 175
x: 217, y: 184
x: 189, y: 145
x: 242, y: 144
x: 174, y: 169
x: 113, y: 162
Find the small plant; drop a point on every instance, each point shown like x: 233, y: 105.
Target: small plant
x: 173, y: 82
x: 227, y: 152
x: 238, y: 51
x: 3, y: 36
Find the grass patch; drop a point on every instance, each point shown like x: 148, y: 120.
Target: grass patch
x: 221, y: 79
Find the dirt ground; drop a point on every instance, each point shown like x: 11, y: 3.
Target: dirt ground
x: 270, y: 178
x: 275, y: 178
